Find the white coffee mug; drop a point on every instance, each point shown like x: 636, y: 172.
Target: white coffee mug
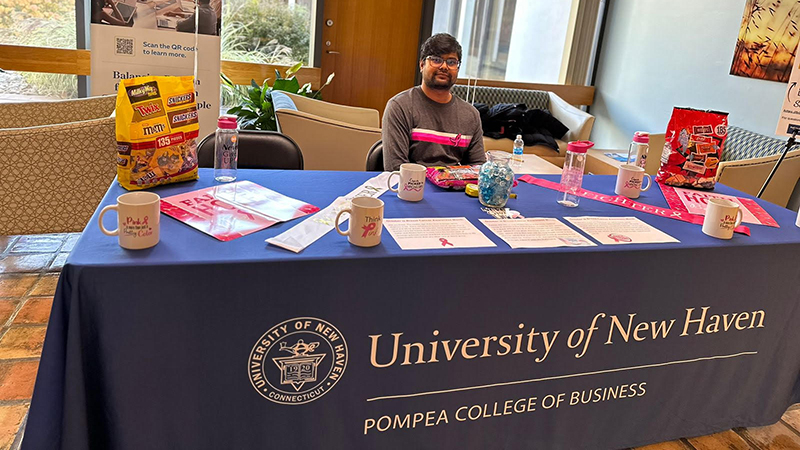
x: 722, y: 217
x: 630, y: 179
x: 138, y: 219
x: 412, y: 182
x: 366, y: 221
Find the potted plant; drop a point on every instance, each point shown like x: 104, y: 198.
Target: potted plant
x: 255, y: 110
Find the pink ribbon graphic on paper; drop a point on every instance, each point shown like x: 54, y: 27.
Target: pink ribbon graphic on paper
x: 445, y: 242
x: 368, y: 228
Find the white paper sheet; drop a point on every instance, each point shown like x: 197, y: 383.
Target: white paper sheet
x: 536, y: 232
x: 436, y: 233
x: 620, y: 230
x: 309, y: 230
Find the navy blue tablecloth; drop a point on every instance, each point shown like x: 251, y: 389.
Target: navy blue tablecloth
x: 197, y: 343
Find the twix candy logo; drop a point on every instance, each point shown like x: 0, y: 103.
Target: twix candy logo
x: 147, y: 110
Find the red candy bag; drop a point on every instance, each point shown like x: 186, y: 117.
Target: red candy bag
x: 456, y: 177
x: 692, y: 148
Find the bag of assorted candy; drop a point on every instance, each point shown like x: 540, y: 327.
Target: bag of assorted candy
x: 692, y: 148
x: 156, y: 129
x: 455, y: 177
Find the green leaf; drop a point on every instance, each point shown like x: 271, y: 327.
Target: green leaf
x: 254, y: 84
x: 226, y: 80
x: 294, y: 69
x: 254, y: 95
x: 234, y: 110
x: 266, y: 107
x: 266, y: 123
x: 290, y: 85
x: 247, y: 114
x: 278, y: 75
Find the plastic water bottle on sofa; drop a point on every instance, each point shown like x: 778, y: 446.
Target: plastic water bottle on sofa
x: 637, y: 151
x: 517, y: 159
x: 572, y: 173
x: 226, y: 149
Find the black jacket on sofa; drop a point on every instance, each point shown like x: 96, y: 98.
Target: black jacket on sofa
x: 537, y: 126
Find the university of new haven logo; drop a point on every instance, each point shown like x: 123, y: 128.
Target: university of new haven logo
x: 297, y: 361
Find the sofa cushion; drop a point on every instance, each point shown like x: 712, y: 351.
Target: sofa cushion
x: 492, y: 96
x: 744, y: 144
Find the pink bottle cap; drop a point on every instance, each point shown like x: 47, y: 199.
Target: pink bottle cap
x: 641, y: 137
x: 227, y: 123
x: 579, y: 146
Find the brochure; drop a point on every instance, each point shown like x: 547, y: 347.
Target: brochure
x: 233, y: 210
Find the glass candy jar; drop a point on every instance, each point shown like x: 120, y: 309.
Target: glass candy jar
x: 495, y: 180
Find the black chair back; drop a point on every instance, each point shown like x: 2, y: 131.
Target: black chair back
x: 375, y: 157
x: 257, y: 150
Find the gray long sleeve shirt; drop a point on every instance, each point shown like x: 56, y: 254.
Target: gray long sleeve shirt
x: 418, y: 129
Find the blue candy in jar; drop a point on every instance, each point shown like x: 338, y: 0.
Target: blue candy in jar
x: 495, y: 180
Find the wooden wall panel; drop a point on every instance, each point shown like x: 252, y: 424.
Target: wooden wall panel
x: 47, y: 60
x: 373, y: 51
x: 243, y: 72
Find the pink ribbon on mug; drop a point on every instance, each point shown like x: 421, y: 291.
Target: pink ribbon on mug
x: 368, y: 228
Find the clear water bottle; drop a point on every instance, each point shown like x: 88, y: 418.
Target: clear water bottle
x: 517, y: 159
x: 637, y: 151
x: 226, y: 149
x: 572, y: 173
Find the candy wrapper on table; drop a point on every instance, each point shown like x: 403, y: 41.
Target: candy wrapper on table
x: 157, y: 128
x: 453, y: 177
x: 693, y: 148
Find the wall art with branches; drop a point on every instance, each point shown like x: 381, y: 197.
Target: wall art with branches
x: 768, y: 40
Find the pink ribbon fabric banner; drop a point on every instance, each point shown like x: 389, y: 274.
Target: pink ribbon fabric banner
x: 625, y: 202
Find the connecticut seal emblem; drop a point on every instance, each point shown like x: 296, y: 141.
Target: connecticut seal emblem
x: 297, y: 361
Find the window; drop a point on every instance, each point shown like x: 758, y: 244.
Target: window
x: 37, y: 23
x: 28, y: 86
x: 268, y: 31
x: 510, y: 40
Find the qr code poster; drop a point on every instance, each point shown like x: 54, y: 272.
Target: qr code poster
x: 125, y: 46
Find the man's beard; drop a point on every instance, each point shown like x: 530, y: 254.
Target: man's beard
x: 433, y: 83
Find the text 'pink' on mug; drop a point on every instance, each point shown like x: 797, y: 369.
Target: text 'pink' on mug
x: 411, y: 187
x: 138, y: 217
x: 722, y: 217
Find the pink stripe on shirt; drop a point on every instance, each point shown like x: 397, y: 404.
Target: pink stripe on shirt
x: 456, y: 141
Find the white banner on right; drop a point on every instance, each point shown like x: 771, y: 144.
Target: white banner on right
x: 789, y: 120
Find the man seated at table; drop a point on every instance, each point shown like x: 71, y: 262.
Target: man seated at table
x: 427, y: 124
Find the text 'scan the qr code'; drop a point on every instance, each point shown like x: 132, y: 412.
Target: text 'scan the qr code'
x: 124, y: 46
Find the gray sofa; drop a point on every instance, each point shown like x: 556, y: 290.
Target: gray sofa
x: 748, y: 158
x: 579, y: 122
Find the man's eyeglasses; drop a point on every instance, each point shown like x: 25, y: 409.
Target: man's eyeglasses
x: 437, y: 61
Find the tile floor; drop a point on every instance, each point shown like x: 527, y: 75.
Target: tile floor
x: 29, y: 269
